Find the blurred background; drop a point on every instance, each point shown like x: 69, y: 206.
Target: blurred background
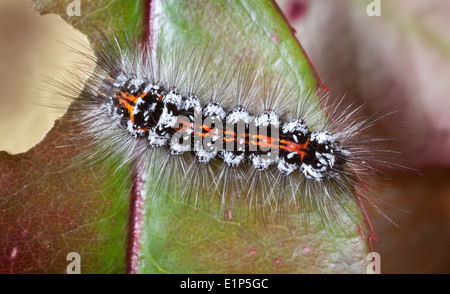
x: 394, y: 53
x: 31, y: 48
x: 388, y: 52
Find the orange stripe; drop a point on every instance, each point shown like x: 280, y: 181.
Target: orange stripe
x: 260, y: 140
x: 125, y: 100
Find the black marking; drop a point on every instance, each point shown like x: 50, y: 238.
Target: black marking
x: 158, y: 110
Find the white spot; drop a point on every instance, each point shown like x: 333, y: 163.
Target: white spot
x: 267, y: 118
x: 173, y: 98
x: 261, y: 163
x: 231, y: 159
x: 156, y: 140
x: 176, y: 148
x: 150, y: 87
x: 291, y: 155
x: 137, y: 105
x: 212, y: 109
x: 167, y: 120
x: 294, y: 126
x: 205, y: 156
x: 322, y: 137
x: 285, y: 167
x: 191, y: 102
x: 238, y: 114
x: 310, y: 173
x: 14, y: 253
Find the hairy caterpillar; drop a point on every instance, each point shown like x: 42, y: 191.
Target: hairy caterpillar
x: 233, y: 133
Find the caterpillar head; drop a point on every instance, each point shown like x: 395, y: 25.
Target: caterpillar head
x: 324, y: 159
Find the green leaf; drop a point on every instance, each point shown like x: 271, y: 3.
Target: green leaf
x: 51, y: 207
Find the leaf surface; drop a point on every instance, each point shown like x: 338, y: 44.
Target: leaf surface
x: 50, y: 207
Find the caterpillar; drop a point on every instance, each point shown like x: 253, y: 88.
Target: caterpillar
x: 151, y: 112
x: 235, y: 133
